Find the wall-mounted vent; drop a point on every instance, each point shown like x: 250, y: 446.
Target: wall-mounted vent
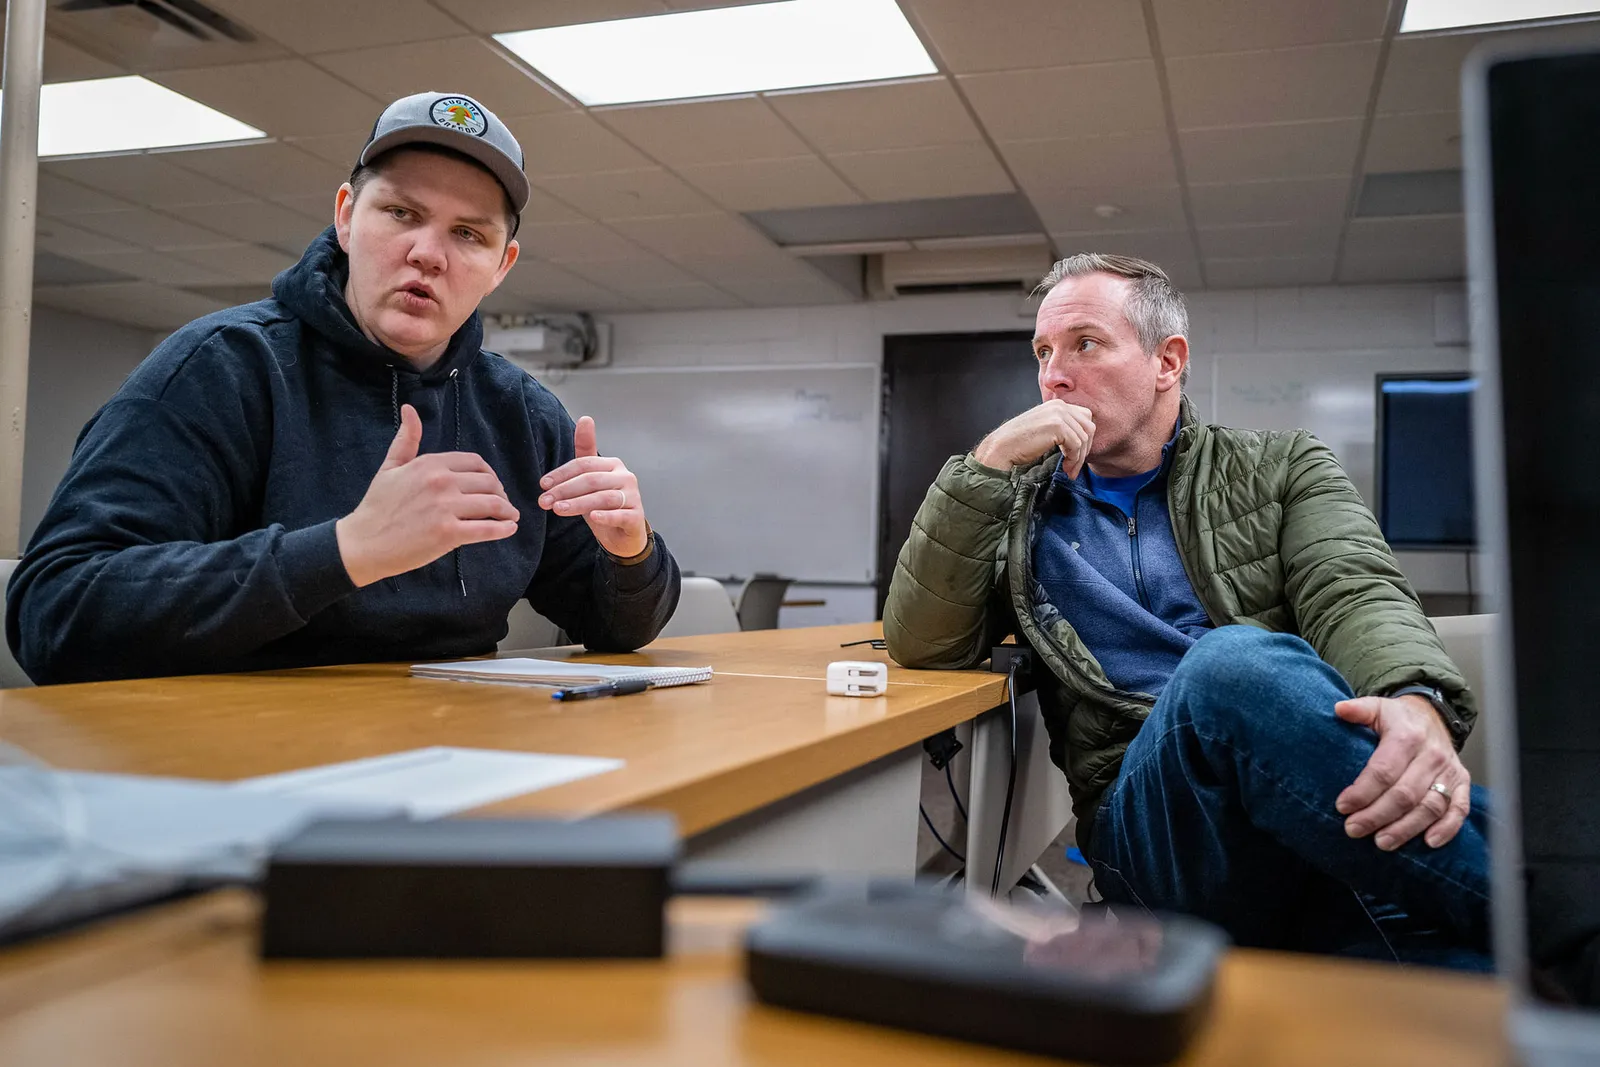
x: 189, y: 17
x: 1417, y: 192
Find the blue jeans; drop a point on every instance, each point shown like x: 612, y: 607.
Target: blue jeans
x: 1224, y: 809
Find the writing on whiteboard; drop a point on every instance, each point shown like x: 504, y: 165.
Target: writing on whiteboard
x: 1271, y: 394
x: 816, y: 406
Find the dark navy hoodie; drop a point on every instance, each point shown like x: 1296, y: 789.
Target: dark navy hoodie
x: 194, y: 530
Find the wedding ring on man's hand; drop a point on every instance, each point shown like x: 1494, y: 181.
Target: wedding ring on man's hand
x: 1442, y: 789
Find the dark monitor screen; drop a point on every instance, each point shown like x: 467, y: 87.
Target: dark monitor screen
x: 1424, y: 482
x: 1544, y: 152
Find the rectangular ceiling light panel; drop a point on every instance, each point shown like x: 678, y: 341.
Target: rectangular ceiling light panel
x: 726, y: 51
x: 127, y: 115
x: 1424, y: 15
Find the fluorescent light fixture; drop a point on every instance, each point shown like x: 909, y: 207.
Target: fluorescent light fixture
x: 126, y: 115
x: 1424, y: 15
x: 725, y: 51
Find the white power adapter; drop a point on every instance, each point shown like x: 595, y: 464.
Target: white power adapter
x: 858, y: 678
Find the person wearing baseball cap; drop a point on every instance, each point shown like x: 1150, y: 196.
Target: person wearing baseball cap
x: 340, y: 472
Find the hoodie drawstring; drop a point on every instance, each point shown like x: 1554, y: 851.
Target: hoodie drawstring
x: 455, y: 388
x: 394, y: 407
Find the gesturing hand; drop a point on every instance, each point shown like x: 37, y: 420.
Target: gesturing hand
x: 1394, y: 795
x: 1053, y: 424
x: 420, y: 507
x: 601, y: 489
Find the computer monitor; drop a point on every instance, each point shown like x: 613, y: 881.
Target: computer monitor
x: 1531, y: 124
x: 1424, y: 475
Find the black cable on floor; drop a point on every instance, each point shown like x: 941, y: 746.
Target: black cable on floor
x: 939, y: 837
x: 955, y: 796
x: 1011, y: 781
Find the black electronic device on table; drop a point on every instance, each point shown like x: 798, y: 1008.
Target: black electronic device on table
x: 1128, y: 990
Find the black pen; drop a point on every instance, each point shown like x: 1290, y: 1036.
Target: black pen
x: 604, y: 689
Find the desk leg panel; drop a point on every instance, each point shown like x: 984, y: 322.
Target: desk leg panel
x: 862, y: 822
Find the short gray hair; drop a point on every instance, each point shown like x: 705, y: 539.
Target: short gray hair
x: 1155, y: 307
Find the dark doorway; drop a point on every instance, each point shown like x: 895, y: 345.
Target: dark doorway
x: 941, y: 394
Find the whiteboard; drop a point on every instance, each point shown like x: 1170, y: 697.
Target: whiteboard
x: 1332, y: 394
x: 746, y: 469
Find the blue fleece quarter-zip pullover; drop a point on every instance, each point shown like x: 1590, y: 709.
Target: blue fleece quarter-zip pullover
x: 194, y: 530
x: 1104, y: 556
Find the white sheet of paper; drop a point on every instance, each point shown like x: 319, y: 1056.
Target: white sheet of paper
x: 432, y: 782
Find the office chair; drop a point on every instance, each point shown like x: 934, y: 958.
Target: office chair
x: 760, y: 600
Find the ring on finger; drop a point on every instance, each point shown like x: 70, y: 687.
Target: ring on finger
x: 1442, y: 789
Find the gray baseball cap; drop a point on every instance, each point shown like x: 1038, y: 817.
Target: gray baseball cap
x: 457, y: 122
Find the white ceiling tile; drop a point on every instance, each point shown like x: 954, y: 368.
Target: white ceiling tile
x: 1266, y: 239
x: 139, y: 303
x: 309, y: 26
x: 1062, y: 102
x: 699, y: 296
x: 774, y: 266
x: 66, y: 62
x: 788, y: 293
x: 1157, y: 246
x: 1413, y: 249
x: 627, y: 194
x: 924, y: 173
x: 584, y: 297
x: 871, y: 118
x: 1269, y: 272
x: 500, y: 16
x: 1189, y: 28
x: 1117, y: 158
x: 645, y: 271
x: 571, y: 142
x: 1143, y: 208
x: 542, y: 207
x: 534, y: 281
x: 64, y: 239
x: 705, y: 131
x: 1307, y: 201
x: 259, y: 221
x: 1290, y: 84
x: 339, y: 149
x: 270, y: 170
x: 1324, y: 148
x: 281, y: 97
x: 317, y: 207
x: 146, y: 229
x: 689, y: 236
x: 149, y: 180
x: 1418, y: 140
x: 239, y: 262
x: 1424, y: 73
x: 768, y: 184
x: 162, y: 268
x: 62, y: 197
x: 1013, y: 34
x: 134, y: 40
x: 574, y: 242
x: 1171, y: 250
x: 452, y: 65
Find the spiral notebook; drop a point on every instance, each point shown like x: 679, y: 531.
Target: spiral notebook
x: 557, y: 673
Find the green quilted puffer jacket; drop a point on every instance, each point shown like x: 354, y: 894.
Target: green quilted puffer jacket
x: 1271, y: 533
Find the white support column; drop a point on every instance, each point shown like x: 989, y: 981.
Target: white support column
x: 19, y: 194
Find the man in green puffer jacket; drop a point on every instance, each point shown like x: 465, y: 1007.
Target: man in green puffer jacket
x: 1257, y: 722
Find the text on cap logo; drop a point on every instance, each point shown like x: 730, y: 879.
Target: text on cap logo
x: 458, y: 113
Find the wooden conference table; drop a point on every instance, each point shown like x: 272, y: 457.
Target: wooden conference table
x: 760, y: 767
x: 180, y: 984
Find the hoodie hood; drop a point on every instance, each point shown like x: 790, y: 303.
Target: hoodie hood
x: 313, y: 291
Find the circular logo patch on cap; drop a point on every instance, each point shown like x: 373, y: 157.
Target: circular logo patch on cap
x: 459, y: 113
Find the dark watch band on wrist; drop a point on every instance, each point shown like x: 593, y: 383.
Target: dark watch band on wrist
x: 1453, y: 722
